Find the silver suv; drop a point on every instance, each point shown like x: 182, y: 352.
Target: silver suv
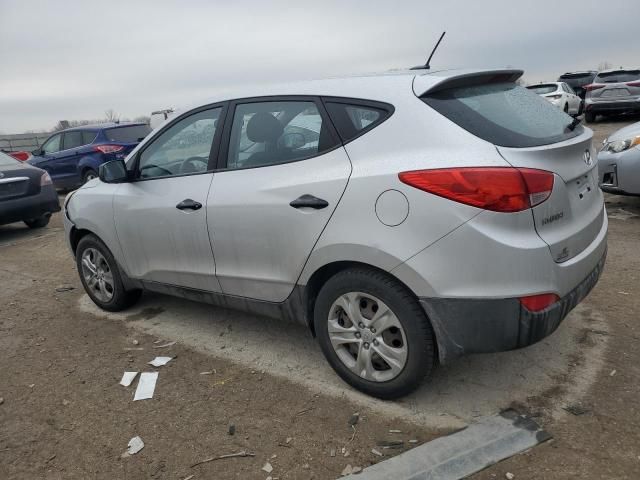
x: 613, y: 92
x: 406, y: 219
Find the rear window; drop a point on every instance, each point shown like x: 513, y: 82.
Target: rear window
x: 577, y: 79
x: 132, y: 134
x: 542, y: 89
x: 352, y: 120
x: 504, y: 114
x: 7, y: 160
x: 619, y: 76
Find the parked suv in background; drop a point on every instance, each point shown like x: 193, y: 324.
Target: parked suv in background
x: 406, y: 218
x: 613, y: 92
x: 73, y: 156
x: 578, y: 80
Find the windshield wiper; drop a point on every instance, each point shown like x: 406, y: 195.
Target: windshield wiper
x: 574, y: 123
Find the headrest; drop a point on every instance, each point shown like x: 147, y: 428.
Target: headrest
x: 264, y: 127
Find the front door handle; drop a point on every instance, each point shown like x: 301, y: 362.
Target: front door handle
x: 189, y: 204
x: 309, y: 201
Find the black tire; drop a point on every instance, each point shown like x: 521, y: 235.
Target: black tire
x: 39, y: 222
x: 122, y: 298
x: 419, y: 335
x: 590, y: 117
x: 89, y: 174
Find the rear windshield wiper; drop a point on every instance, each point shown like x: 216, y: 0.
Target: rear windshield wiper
x: 574, y: 123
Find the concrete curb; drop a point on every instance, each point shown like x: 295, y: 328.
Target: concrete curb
x: 485, y: 442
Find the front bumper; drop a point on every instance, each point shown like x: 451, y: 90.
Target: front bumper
x: 494, y: 325
x: 30, y: 207
x: 620, y: 172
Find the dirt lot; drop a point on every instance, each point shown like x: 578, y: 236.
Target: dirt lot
x: 63, y: 414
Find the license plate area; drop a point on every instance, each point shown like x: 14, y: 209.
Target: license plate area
x: 16, y: 188
x: 615, y: 92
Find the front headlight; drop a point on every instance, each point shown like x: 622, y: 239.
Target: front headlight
x: 618, y: 146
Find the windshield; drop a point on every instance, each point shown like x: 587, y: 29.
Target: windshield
x: 542, y: 89
x: 619, y: 76
x: 504, y: 114
x: 7, y: 160
x: 132, y: 134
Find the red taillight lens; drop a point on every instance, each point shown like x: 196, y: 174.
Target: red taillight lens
x: 108, y: 148
x: 500, y: 189
x: 633, y: 84
x: 22, y: 156
x: 593, y: 86
x: 537, y: 303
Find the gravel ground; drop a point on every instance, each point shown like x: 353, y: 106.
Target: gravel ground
x: 63, y: 414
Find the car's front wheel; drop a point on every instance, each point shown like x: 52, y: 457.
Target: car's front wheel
x: 374, y: 333
x: 101, y: 276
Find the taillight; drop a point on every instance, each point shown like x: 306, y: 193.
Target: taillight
x: 500, y: 189
x: 108, y: 148
x: 633, y: 84
x: 45, y: 180
x: 22, y: 156
x: 593, y: 86
x: 537, y: 303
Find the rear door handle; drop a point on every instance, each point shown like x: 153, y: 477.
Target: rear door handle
x: 189, y: 204
x: 309, y: 201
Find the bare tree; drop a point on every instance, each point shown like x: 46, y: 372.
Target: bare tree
x: 605, y: 66
x: 111, y: 116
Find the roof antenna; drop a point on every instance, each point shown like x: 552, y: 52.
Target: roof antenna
x: 427, y: 65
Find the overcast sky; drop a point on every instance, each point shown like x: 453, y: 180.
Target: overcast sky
x: 75, y: 59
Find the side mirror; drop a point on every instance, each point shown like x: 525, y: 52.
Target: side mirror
x: 37, y: 153
x: 114, y: 171
x: 293, y: 140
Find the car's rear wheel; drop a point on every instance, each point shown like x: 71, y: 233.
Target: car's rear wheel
x: 101, y: 276
x: 374, y: 333
x: 38, y: 222
x: 590, y: 117
x: 89, y: 174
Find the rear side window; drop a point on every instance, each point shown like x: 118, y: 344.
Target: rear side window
x: 352, y: 120
x: 88, y: 137
x: 504, y: 114
x: 72, y: 139
x: 132, y: 134
x: 619, y: 76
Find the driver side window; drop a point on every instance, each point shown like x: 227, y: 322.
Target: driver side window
x: 182, y: 149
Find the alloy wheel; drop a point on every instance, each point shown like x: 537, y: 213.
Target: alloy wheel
x: 97, y: 275
x: 367, y: 337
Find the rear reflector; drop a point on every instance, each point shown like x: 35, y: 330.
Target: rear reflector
x: 108, y: 148
x: 593, y: 86
x: 537, y: 303
x: 500, y: 189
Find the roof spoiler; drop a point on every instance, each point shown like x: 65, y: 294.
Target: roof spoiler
x: 423, y: 85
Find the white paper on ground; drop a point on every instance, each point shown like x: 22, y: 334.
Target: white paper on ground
x: 127, y: 378
x: 135, y: 445
x: 160, y: 361
x: 146, y: 386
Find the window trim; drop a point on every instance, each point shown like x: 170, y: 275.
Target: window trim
x: 361, y: 102
x: 224, y: 150
x: 214, y: 150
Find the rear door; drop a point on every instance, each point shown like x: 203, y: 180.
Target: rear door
x: 529, y: 132
x: 72, y: 142
x: 616, y: 86
x: 282, y: 175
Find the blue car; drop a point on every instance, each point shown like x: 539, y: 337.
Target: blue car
x: 73, y: 156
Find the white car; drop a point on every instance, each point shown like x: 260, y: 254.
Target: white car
x: 561, y: 95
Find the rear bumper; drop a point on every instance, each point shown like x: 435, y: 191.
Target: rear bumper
x: 33, y: 206
x: 612, y: 107
x: 494, y: 325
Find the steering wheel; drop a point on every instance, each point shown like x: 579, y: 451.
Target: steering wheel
x: 190, y: 165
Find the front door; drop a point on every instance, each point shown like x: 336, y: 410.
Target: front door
x: 160, y: 217
x: 284, y: 172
